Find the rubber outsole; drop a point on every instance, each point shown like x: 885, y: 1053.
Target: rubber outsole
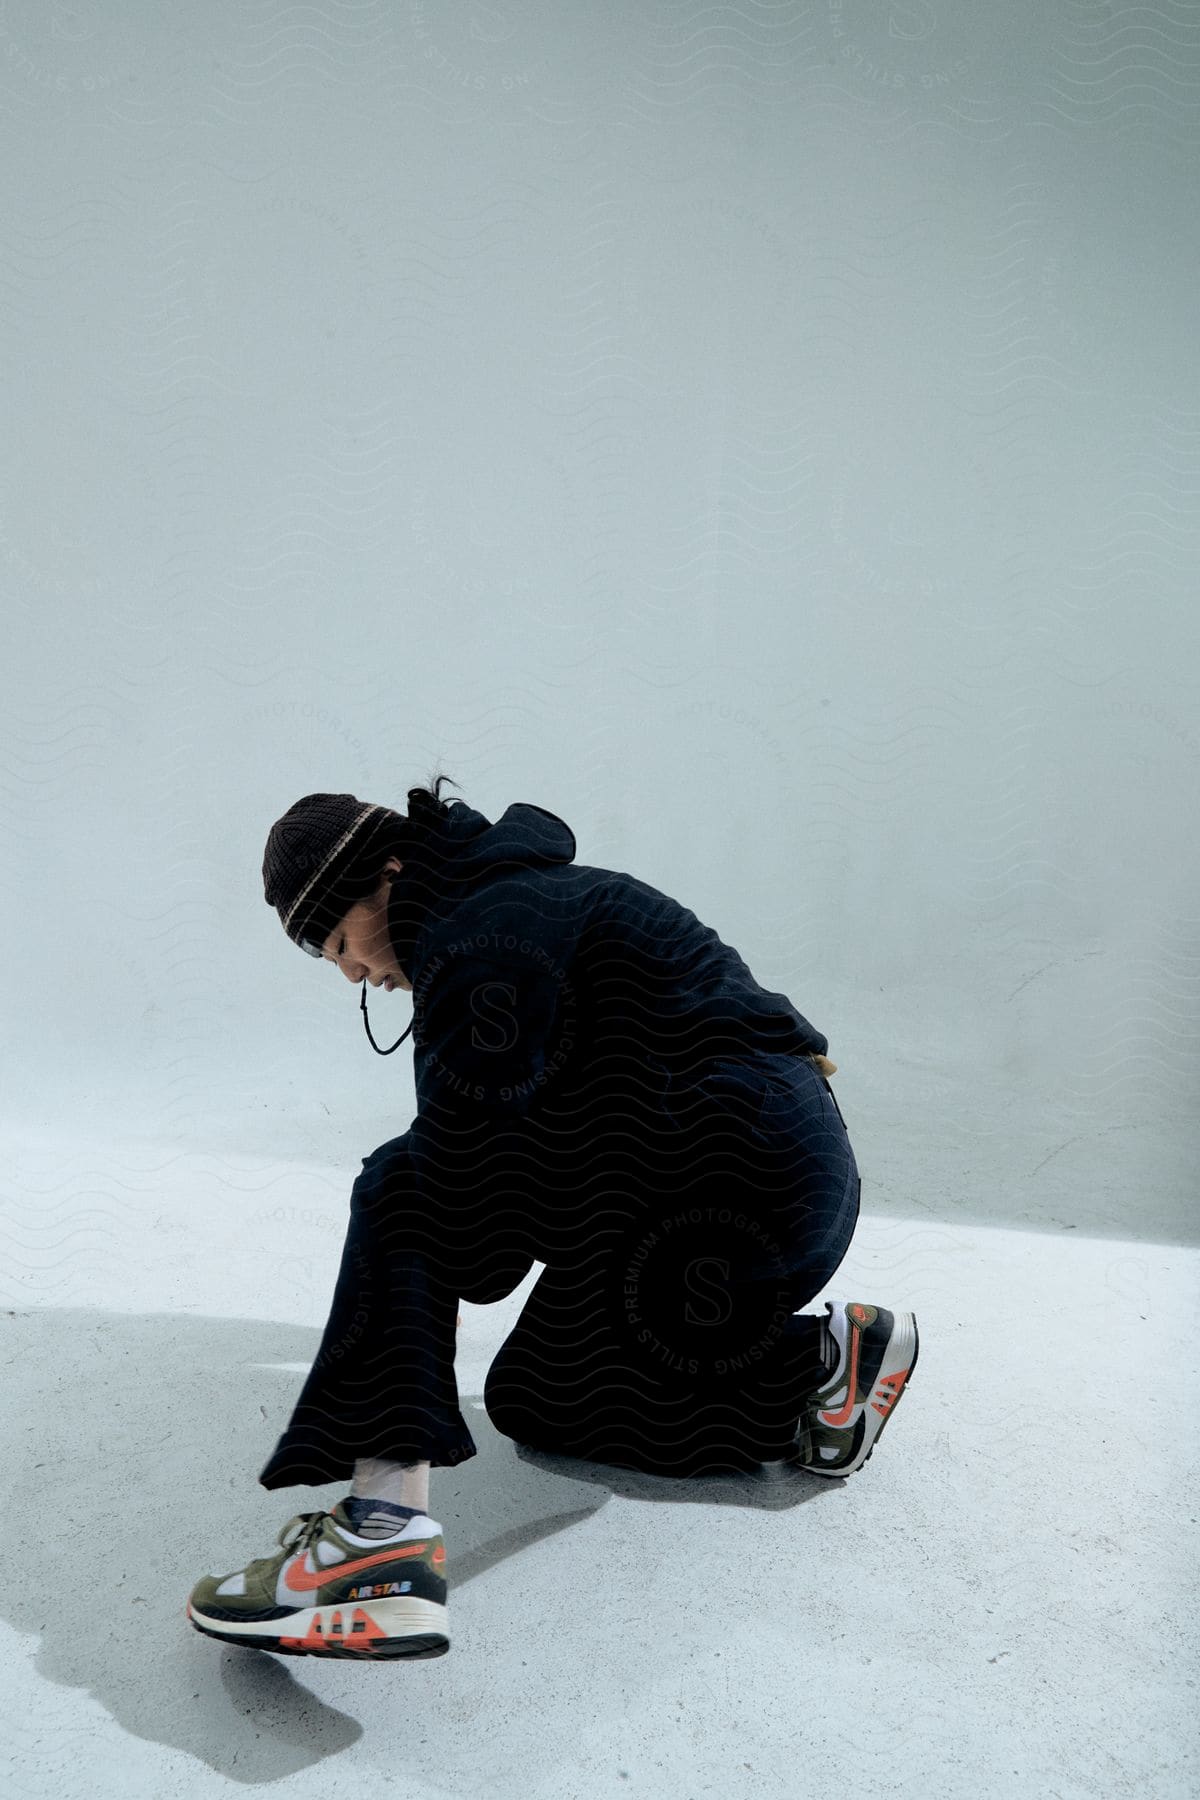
x: 371, y: 1631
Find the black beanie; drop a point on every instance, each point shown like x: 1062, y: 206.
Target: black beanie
x: 313, y: 862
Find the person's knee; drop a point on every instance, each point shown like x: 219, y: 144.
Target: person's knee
x: 395, y: 1153
x: 386, y: 1180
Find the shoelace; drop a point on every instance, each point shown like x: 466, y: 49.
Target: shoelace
x: 310, y: 1530
x: 311, y: 1525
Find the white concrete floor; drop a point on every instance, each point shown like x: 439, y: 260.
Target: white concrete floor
x: 1002, y: 1602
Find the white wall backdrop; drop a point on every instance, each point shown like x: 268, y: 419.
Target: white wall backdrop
x: 767, y: 436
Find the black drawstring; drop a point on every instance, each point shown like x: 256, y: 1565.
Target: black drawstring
x: 367, y: 1023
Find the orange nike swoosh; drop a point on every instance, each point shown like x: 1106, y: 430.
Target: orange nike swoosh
x: 842, y: 1416
x: 300, y: 1581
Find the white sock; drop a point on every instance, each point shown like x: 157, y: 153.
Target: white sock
x: 377, y: 1479
x: 400, y: 1491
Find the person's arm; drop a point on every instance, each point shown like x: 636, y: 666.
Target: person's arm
x: 490, y: 1043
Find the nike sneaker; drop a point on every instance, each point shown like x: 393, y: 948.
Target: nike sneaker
x: 876, y: 1354
x: 330, y: 1592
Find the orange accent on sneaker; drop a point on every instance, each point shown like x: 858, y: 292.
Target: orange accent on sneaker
x: 316, y: 1640
x: 313, y: 1639
x: 888, y: 1389
x: 842, y: 1415
x: 371, y: 1633
x: 300, y: 1581
x: 862, y: 1315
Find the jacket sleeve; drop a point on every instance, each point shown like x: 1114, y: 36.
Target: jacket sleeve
x: 490, y: 1037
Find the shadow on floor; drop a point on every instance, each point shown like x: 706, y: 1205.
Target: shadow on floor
x: 135, y: 1449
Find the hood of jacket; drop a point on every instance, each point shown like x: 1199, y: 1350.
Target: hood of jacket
x: 465, y: 851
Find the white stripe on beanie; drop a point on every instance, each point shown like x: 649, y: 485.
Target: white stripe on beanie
x: 336, y: 851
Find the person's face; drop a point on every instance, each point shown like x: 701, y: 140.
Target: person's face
x: 360, y: 945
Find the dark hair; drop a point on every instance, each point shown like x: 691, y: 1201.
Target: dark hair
x: 425, y: 804
x: 404, y: 837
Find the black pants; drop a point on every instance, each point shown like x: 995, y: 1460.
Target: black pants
x: 664, y: 1340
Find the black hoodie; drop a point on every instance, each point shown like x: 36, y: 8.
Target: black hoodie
x: 554, y: 1002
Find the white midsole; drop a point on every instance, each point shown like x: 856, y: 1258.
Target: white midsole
x: 404, y: 1615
